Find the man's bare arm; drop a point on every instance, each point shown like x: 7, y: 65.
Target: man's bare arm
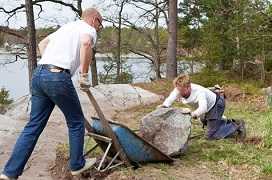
x: 86, y: 53
x: 43, y: 44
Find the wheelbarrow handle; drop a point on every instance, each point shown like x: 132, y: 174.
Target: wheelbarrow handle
x: 108, y: 129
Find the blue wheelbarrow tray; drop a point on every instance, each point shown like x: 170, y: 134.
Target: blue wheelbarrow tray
x: 136, y: 148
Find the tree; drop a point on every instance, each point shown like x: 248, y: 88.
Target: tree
x: 117, y: 19
x: 171, y: 69
x: 152, y: 47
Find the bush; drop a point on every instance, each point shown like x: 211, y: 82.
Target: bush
x: 124, y: 78
x: 209, y: 78
x: 268, y: 133
x: 4, y: 97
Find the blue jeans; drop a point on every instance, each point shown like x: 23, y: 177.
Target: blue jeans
x: 49, y: 89
x: 219, y: 128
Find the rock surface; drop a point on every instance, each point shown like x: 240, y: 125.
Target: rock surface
x: 168, y: 129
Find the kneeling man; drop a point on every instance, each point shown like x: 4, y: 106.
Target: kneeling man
x: 208, y: 105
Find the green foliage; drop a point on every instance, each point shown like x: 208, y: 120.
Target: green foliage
x: 131, y: 39
x: 4, y: 97
x: 227, y: 32
x: 123, y: 78
x: 251, y: 87
x: 267, y: 168
x: 209, y: 78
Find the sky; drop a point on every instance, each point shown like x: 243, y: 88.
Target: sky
x: 54, y: 14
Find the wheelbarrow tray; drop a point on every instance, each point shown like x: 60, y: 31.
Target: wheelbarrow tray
x: 136, y: 148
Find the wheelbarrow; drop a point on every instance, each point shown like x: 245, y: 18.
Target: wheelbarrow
x: 120, y: 143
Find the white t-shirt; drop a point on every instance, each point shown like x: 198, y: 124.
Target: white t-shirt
x: 63, y: 49
x: 201, y: 98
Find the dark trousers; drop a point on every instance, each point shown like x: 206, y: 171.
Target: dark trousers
x: 218, y: 128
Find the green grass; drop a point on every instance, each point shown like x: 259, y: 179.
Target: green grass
x: 90, y: 143
x: 267, y: 169
x: 230, y: 152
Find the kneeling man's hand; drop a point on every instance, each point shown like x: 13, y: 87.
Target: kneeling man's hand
x: 186, y: 110
x: 161, y: 106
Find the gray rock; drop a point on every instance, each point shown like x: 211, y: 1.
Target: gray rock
x: 268, y: 95
x: 168, y: 129
x: 20, y: 108
x: 267, y: 91
x: 115, y: 97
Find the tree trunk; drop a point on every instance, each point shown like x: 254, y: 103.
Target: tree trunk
x: 263, y: 63
x: 119, y: 38
x: 94, y: 69
x: 157, y: 50
x: 79, y: 7
x: 118, y: 63
x: 157, y: 68
x: 171, y: 68
x: 31, y: 40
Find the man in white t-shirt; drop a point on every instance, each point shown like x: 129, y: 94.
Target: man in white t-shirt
x: 208, y: 105
x: 62, y: 53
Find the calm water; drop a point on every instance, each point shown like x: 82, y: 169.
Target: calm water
x: 14, y: 76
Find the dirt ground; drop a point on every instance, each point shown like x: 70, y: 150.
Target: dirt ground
x: 42, y: 159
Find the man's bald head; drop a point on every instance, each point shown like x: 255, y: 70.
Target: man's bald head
x: 90, y: 12
x: 93, y: 18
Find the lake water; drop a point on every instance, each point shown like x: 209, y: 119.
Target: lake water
x: 14, y: 76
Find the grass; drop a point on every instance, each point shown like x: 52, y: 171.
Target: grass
x: 267, y: 168
x: 255, y: 155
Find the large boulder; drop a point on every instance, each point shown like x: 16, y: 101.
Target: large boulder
x: 168, y: 129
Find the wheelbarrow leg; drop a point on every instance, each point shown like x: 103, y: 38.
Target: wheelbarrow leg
x: 108, y: 129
